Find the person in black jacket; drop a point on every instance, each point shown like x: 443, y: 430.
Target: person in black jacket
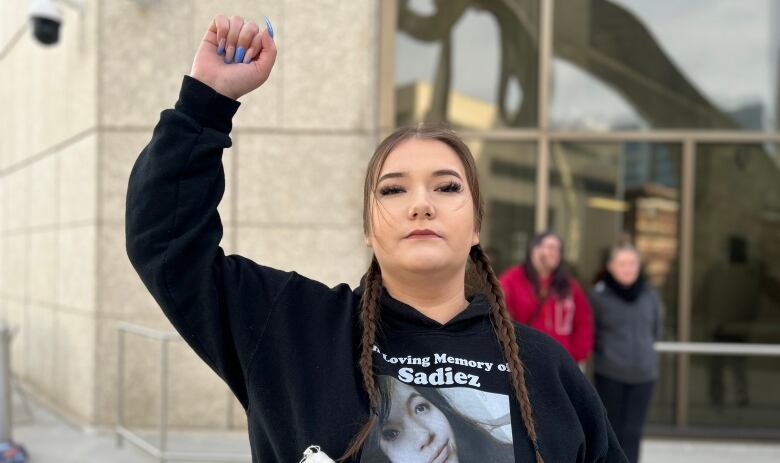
x: 629, y: 320
x: 304, y: 359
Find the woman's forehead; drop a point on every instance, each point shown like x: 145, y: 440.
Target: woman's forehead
x: 625, y: 255
x: 402, y: 390
x: 550, y: 240
x: 421, y: 157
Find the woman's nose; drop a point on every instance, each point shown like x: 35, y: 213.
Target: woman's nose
x: 421, y: 207
x: 423, y: 437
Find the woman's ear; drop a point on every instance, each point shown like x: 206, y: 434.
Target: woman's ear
x: 367, y: 240
x: 475, y: 239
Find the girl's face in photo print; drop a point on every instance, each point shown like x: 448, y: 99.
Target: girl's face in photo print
x: 415, y: 430
x: 423, y: 425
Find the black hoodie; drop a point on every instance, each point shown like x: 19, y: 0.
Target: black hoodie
x: 288, y: 346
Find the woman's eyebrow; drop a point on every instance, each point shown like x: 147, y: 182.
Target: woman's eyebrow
x: 391, y: 175
x: 438, y: 173
x: 445, y: 172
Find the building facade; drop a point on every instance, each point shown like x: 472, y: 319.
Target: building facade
x: 598, y: 119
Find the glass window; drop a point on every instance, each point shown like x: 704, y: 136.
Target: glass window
x: 633, y: 64
x: 604, y: 193
x: 661, y: 414
x: 736, y: 282
x: 472, y: 65
x: 507, y: 173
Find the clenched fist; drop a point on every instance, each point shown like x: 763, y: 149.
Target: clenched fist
x: 235, y: 56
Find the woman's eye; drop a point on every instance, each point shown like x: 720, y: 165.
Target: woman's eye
x: 390, y: 190
x: 452, y: 187
x: 421, y: 408
x: 390, y: 434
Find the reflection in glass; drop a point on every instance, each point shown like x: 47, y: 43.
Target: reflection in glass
x: 736, y: 281
x: 633, y: 64
x: 662, y: 409
x: 602, y: 193
x: 734, y: 392
x: 472, y: 64
x: 507, y: 176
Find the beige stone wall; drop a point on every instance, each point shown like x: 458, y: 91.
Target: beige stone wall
x: 49, y: 220
x: 77, y: 116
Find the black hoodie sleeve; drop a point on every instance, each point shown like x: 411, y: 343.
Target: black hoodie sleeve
x: 220, y: 304
x: 602, y: 445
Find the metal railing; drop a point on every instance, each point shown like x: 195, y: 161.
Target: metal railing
x: 684, y: 349
x: 719, y: 348
x: 161, y: 451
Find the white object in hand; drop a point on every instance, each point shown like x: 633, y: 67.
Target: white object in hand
x: 313, y: 454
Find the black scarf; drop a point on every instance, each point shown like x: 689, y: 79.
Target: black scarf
x: 627, y: 293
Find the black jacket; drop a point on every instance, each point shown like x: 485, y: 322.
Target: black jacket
x: 626, y: 333
x: 287, y: 346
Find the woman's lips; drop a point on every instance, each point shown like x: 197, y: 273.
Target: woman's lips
x: 422, y: 234
x: 443, y: 454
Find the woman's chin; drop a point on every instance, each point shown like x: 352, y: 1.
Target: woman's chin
x: 426, y: 263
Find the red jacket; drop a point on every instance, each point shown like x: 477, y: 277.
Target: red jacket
x: 569, y: 320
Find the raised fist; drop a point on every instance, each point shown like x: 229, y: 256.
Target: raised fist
x: 235, y: 56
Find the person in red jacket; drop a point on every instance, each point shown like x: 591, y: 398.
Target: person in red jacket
x: 540, y: 293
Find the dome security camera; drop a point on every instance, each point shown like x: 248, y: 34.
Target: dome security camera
x: 46, y: 18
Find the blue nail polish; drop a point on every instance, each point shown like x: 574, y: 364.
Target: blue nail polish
x: 229, y: 53
x: 221, y: 47
x: 239, y: 55
x: 269, y: 26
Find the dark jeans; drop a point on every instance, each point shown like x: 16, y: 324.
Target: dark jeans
x: 626, y: 406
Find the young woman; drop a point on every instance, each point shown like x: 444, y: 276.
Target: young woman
x: 629, y: 319
x: 540, y: 293
x: 302, y: 358
x: 419, y: 424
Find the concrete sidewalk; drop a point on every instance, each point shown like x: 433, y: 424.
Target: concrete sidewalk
x: 49, y: 439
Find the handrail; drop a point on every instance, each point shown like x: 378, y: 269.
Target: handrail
x: 147, y: 332
x: 123, y: 433
x: 719, y: 348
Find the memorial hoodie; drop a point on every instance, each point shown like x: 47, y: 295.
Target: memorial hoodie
x: 288, y: 346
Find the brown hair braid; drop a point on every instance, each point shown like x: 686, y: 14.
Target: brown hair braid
x: 369, y: 303
x: 505, y: 331
x: 369, y: 315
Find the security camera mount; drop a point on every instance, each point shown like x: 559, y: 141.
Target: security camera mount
x: 46, y: 18
x: 76, y: 5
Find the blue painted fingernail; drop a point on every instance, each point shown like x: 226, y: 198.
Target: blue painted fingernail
x: 269, y: 26
x: 221, y: 47
x: 239, y: 55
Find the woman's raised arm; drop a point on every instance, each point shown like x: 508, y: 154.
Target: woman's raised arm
x: 220, y: 304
